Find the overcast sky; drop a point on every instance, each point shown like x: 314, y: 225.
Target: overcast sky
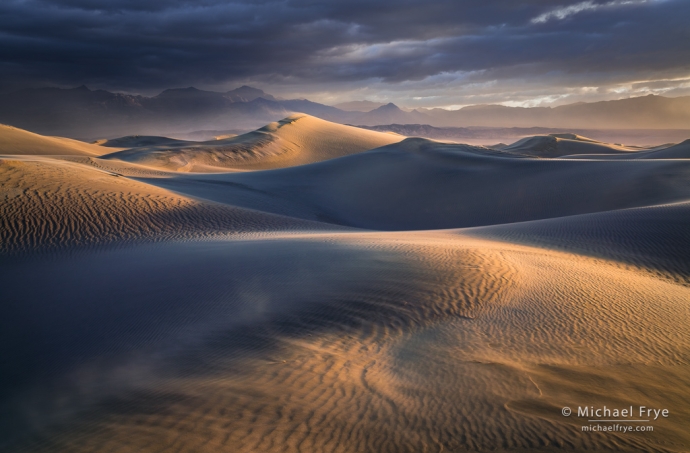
x: 416, y: 53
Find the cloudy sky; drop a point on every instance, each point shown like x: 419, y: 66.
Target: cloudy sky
x: 416, y: 53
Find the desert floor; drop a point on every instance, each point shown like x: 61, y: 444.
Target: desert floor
x: 313, y: 287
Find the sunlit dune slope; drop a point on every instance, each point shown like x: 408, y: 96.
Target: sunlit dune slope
x: 558, y: 145
x: 46, y: 203
x: 21, y: 142
x: 386, y: 342
x: 421, y: 184
x: 296, y: 140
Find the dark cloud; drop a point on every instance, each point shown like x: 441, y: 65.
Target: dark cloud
x: 298, y: 45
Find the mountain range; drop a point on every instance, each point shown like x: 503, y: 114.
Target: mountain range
x: 90, y: 114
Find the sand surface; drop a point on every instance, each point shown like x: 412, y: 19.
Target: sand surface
x: 416, y: 297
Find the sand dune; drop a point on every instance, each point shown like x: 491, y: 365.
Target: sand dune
x: 558, y: 145
x: 149, y: 310
x: 583, y: 148
x: 21, y: 142
x: 660, y: 234
x: 421, y: 184
x: 346, y: 343
x: 296, y: 140
x: 48, y: 204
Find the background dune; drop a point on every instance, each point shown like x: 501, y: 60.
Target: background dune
x: 296, y: 140
x: 558, y: 145
x: 146, y: 309
x: 679, y: 151
x: 19, y: 141
x: 421, y: 184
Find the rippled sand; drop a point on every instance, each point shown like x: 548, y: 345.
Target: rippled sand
x: 261, y: 312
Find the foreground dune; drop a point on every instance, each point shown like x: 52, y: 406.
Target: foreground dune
x: 360, y: 342
x: 150, y: 310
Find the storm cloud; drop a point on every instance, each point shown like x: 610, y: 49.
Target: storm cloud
x: 415, y: 52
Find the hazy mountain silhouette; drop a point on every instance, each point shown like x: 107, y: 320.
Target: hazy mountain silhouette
x: 651, y: 112
x: 89, y: 114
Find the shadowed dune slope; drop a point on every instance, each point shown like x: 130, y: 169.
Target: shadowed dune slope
x: 679, y: 151
x: 14, y: 141
x: 420, y: 184
x: 137, y: 141
x: 296, y: 140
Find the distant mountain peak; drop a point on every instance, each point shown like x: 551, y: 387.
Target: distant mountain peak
x: 390, y: 107
x: 247, y: 89
x: 246, y: 93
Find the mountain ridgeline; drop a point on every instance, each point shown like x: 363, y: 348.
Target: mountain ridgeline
x: 90, y: 114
